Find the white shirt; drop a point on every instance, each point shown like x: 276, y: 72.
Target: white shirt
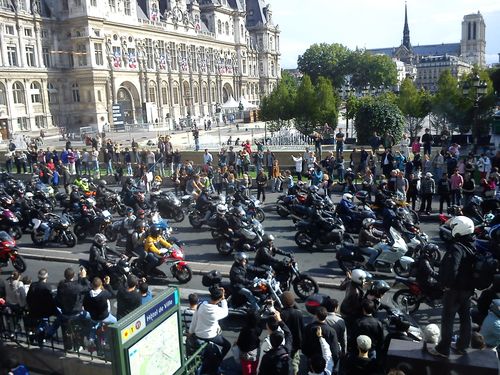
x: 207, y: 158
x: 327, y: 356
x: 298, y: 163
x: 205, y: 323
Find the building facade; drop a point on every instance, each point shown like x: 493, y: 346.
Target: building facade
x: 67, y: 62
x: 430, y: 68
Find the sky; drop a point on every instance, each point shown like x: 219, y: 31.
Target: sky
x: 378, y: 23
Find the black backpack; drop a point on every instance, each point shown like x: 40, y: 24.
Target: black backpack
x: 282, y: 364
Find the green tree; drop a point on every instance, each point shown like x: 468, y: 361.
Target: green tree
x: 278, y: 108
x: 494, y: 74
x: 380, y: 116
x: 369, y: 70
x: 446, y: 103
x: 415, y: 106
x: 306, y: 107
x: 326, y: 101
x: 327, y: 60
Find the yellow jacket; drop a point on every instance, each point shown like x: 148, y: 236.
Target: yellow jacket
x: 152, y: 244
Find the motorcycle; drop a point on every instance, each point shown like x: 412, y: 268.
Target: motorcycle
x: 231, y: 240
x: 354, y: 219
x: 9, y: 222
x: 285, y: 203
x: 410, y: 298
x: 60, y: 231
x: 90, y: 226
x: 307, y: 235
x: 10, y: 252
x: 266, y: 289
x: 118, y: 273
x: 168, y: 205
x: 113, y: 203
x: 251, y: 207
x: 172, y: 257
x: 303, y: 284
x: 391, y: 256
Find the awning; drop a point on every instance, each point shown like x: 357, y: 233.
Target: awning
x: 231, y: 103
x: 246, y: 103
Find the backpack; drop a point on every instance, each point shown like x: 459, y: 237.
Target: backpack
x: 282, y: 364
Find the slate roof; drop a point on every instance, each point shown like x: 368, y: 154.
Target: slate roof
x: 426, y: 50
x: 255, y: 12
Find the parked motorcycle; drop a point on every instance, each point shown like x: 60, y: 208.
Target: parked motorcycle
x: 391, y: 258
x: 60, y: 231
x: 264, y: 289
x: 168, y: 205
x: 410, y: 297
x: 172, y: 257
x: 9, y: 222
x: 10, y: 252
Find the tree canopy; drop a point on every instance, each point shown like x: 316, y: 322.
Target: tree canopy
x: 415, y: 106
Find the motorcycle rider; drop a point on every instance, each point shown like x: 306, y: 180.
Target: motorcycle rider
x: 82, y: 183
x: 222, y: 223
x: 346, y: 206
x: 425, y: 274
x: 98, y: 256
x: 75, y: 196
x: 152, y: 245
x: 319, y: 223
x: 473, y: 210
x: 390, y: 218
x: 137, y: 239
x: 128, y: 189
x: 375, y: 293
x: 241, y: 280
x: 265, y: 255
x: 139, y: 201
x: 102, y: 191
x: 369, y: 237
x: 350, y: 307
x: 204, y: 204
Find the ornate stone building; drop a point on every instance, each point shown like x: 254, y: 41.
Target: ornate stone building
x: 67, y: 62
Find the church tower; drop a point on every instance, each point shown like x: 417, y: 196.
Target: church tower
x: 473, y: 43
x: 406, y: 31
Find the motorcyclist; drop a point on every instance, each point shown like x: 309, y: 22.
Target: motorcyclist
x: 222, y: 223
x: 383, y: 194
x: 75, y: 196
x: 204, y: 204
x: 237, y: 218
x: 139, y: 201
x: 350, y: 307
x: 313, y: 196
x: 98, y: 256
x: 128, y: 189
x: 473, y: 210
x: 369, y: 237
x: 391, y: 219
x: 265, y: 255
x: 102, y: 190
x: 239, y: 195
x: 319, y: 224
x: 240, y: 279
x: 425, y: 274
x: 346, y: 207
x: 137, y: 238
x: 152, y: 245
x: 82, y: 183
x: 375, y: 293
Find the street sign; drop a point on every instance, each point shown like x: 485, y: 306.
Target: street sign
x: 149, y: 340
x: 118, y: 117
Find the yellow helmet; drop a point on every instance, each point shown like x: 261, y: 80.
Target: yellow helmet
x: 158, y: 179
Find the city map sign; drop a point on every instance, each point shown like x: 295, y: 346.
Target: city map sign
x: 149, y: 340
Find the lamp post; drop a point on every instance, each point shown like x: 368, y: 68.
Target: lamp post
x: 480, y: 89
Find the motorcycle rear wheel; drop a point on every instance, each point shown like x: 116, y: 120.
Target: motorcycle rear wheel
x: 260, y: 215
x: 15, y: 232
x: 281, y: 211
x: 179, y: 216
x: 303, y: 240
x: 70, y: 240
x: 19, y: 264
x: 195, y: 221
x: 305, y: 286
x: 224, y: 246
x: 406, y: 300
x: 182, y: 275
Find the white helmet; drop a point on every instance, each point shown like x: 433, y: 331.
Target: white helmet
x: 347, y: 197
x: 461, y: 226
x: 358, y: 276
x: 221, y: 209
x: 29, y: 195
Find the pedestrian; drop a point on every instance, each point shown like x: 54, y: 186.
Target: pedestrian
x: 311, y: 344
x: 484, y: 166
x: 444, y: 190
x: 95, y: 161
x: 269, y: 161
x: 427, y: 141
x: 205, y: 323
x: 261, y: 181
x: 40, y: 301
x: 292, y: 317
x: 427, y: 190
x: 375, y: 142
x: 456, y: 184
x: 404, y: 146
x: 360, y: 362
x: 279, y: 335
x: 248, y: 343
x: 455, y: 275
x: 401, y: 185
x: 128, y: 297
x: 96, y: 302
x: 335, y: 321
x: 108, y: 160
x: 15, y: 293
x: 298, y: 166
x: 188, y: 312
x: 340, y: 166
x: 318, y: 140
x: 287, y: 183
x: 416, y: 147
x: 387, y: 161
x: 438, y: 164
x: 468, y: 188
x: 339, y: 140
x: 276, y: 175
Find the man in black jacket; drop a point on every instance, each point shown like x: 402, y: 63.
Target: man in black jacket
x: 128, y: 298
x: 369, y: 326
x: 265, y: 256
x: 427, y: 141
x: 455, y: 275
x: 292, y: 317
x: 311, y: 344
x: 241, y: 281
x: 40, y: 301
x: 96, y: 301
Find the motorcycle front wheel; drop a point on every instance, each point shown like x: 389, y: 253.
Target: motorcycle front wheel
x: 406, y: 301
x: 281, y: 211
x: 400, y: 271
x: 195, y: 221
x: 69, y: 238
x: 260, y: 215
x: 179, y: 216
x: 37, y: 237
x: 183, y: 275
x: 224, y: 246
x: 15, y: 232
x: 305, y: 286
x: 303, y: 240
x: 19, y: 264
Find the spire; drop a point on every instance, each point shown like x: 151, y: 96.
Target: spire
x: 406, y: 30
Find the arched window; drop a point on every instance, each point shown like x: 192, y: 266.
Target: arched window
x: 164, y: 93
x: 176, y: 94
x: 18, y: 93
x: 219, y: 27
x: 205, y: 93
x: 3, y: 95
x: 227, y: 28
x: 52, y: 93
x: 196, y: 94
x: 75, y: 90
x: 152, y: 92
x: 35, y: 91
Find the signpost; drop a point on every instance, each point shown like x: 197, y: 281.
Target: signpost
x: 118, y: 117
x: 149, y: 340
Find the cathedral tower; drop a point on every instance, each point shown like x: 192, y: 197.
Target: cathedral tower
x: 473, y: 43
x: 406, y: 31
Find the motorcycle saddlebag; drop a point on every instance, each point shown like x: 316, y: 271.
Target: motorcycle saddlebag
x: 335, y: 235
x: 211, y: 278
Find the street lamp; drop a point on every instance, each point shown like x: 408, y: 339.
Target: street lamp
x: 480, y: 90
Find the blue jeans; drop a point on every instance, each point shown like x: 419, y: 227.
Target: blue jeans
x: 250, y: 298
x: 110, y: 319
x: 371, y: 252
x: 63, y: 318
x: 110, y: 167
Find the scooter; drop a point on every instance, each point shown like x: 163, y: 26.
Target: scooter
x: 391, y: 256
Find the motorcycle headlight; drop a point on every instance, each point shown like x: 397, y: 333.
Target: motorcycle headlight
x: 126, y: 269
x: 15, y: 219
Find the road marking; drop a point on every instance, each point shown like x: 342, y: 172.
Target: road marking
x: 37, y: 249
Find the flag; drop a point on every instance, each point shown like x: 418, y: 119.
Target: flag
x: 132, y: 61
x: 117, y: 59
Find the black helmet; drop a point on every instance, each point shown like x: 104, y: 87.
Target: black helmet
x: 155, y: 231
x: 240, y: 257
x: 429, y: 249
x: 139, y: 224
x: 267, y: 238
x: 379, y: 287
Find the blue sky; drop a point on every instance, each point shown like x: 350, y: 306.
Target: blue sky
x: 378, y: 23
